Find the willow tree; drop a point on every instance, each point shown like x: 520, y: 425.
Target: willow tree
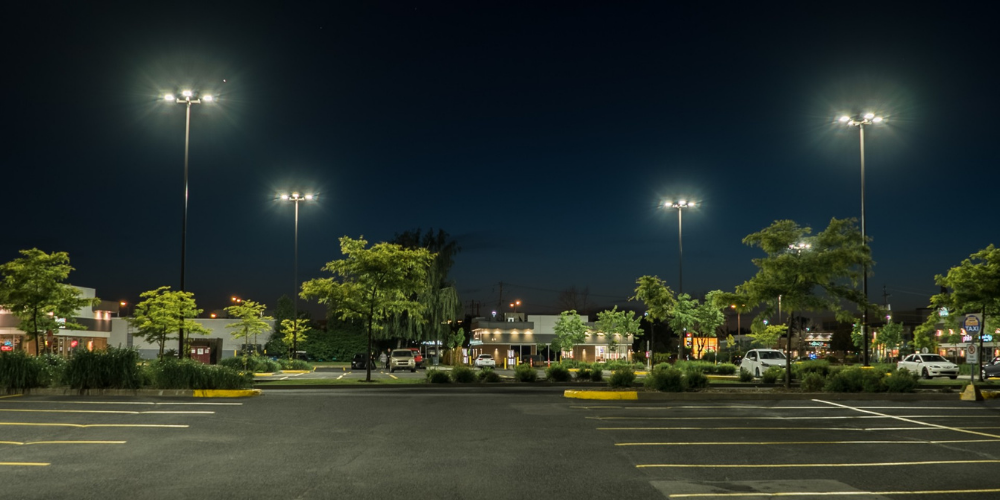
x: 372, y: 284
x: 32, y: 289
x: 808, y: 273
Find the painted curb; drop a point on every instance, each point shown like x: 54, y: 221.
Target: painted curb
x: 295, y: 371
x: 605, y: 395
x: 263, y: 374
x: 218, y: 393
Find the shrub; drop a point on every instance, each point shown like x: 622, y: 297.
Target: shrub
x: 596, y: 375
x: 709, y: 356
x: 901, y: 381
x: 701, y: 366
x: 256, y: 364
x: 695, y: 380
x: 438, y: 376
x: 665, y: 379
x: 622, y: 377
x: 525, y: 373
x: 488, y: 375
x: 557, y: 373
x: 19, y: 371
x: 814, y: 366
x: 726, y: 369
x: 172, y: 373
x: 463, y: 375
x: 771, y: 375
x: 745, y: 376
x: 294, y: 364
x: 813, y: 382
x: 832, y: 359
x: 583, y: 374
x: 53, y: 370
x: 114, y: 368
x: 618, y: 364
x: 855, y: 379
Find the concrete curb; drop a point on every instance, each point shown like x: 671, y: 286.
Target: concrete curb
x: 188, y: 393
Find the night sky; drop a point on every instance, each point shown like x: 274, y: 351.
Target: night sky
x: 540, y: 135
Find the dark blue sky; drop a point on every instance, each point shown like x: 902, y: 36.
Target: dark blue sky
x: 540, y: 135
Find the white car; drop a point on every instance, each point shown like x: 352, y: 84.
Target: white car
x: 929, y: 366
x: 402, y: 359
x: 757, y: 361
x: 484, y: 360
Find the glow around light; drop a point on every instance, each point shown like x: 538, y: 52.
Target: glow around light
x: 869, y: 116
x: 845, y: 119
x: 877, y: 119
x: 186, y: 93
x: 208, y: 98
x: 168, y: 97
x: 284, y: 197
x: 309, y: 197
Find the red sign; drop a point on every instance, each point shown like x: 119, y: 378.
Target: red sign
x: 74, y: 343
x: 6, y: 348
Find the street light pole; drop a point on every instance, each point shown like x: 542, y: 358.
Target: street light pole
x: 680, y: 206
x: 296, y: 198
x: 860, y: 122
x: 188, y: 99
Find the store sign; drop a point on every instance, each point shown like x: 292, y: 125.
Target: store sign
x: 6, y: 347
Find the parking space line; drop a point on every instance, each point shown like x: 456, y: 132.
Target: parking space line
x: 841, y: 417
x: 20, y: 443
x: 780, y: 466
x: 84, y: 426
x: 831, y: 493
x: 146, y: 403
x: 761, y: 407
x: 394, y: 377
x: 773, y: 443
x: 26, y: 464
x: 858, y: 429
x: 909, y: 419
x: 11, y: 396
x: 118, y: 412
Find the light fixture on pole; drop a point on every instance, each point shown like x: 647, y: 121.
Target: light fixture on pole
x: 296, y: 198
x: 860, y: 122
x: 188, y: 99
x: 680, y: 205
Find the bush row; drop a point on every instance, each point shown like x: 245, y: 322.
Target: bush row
x: 462, y: 375
x: 114, y: 368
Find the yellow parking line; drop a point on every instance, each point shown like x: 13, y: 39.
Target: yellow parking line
x: 393, y: 376
x: 832, y: 493
x: 857, y: 429
x: 117, y: 412
x: 11, y: 396
x: 84, y: 426
x: 25, y: 464
x: 766, y: 443
x: 856, y: 464
x: 19, y: 443
x: 144, y: 403
x: 844, y: 417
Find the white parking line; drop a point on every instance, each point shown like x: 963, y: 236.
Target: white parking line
x: 148, y: 403
x: 910, y: 419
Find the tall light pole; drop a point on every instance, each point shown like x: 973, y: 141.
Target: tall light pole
x: 188, y: 99
x: 296, y: 198
x: 860, y: 122
x: 680, y: 206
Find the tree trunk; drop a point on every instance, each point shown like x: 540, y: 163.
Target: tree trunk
x: 788, y: 352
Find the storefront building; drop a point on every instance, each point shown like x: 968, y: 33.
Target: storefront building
x: 515, y: 338
x: 96, y: 320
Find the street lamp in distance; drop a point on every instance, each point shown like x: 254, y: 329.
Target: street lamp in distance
x: 296, y: 198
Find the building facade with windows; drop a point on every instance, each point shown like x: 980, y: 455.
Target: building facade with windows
x: 95, y: 319
x: 515, y: 337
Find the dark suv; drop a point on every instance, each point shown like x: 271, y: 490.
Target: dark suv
x: 358, y: 362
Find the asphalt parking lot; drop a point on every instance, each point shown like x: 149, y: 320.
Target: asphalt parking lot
x: 507, y: 442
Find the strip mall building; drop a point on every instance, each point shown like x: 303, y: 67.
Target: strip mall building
x: 514, y: 337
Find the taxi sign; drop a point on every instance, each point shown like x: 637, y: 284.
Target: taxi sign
x: 973, y: 324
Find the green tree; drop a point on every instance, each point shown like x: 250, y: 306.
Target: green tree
x: 808, y: 273
x: 767, y: 335
x: 251, y: 321
x: 442, y: 307
x: 710, y: 318
x: 372, y: 284
x: 683, y: 319
x: 32, y: 289
x: 659, y: 301
x: 295, y: 330
x: 455, y: 341
x: 890, y: 336
x: 973, y: 286
x: 570, y: 331
x: 158, y: 317
x: 275, y: 343
x: 623, y: 324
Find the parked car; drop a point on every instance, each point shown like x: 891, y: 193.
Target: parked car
x: 757, y: 361
x: 928, y: 366
x: 484, y: 360
x: 417, y: 357
x: 358, y: 361
x: 991, y: 369
x: 402, y: 359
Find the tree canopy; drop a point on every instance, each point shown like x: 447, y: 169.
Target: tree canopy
x: 373, y: 284
x: 252, y: 321
x: 623, y: 324
x: 570, y: 330
x: 32, y: 289
x: 158, y: 316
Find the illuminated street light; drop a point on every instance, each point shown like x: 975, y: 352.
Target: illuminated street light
x: 680, y: 205
x: 296, y: 198
x: 860, y: 122
x: 188, y: 100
